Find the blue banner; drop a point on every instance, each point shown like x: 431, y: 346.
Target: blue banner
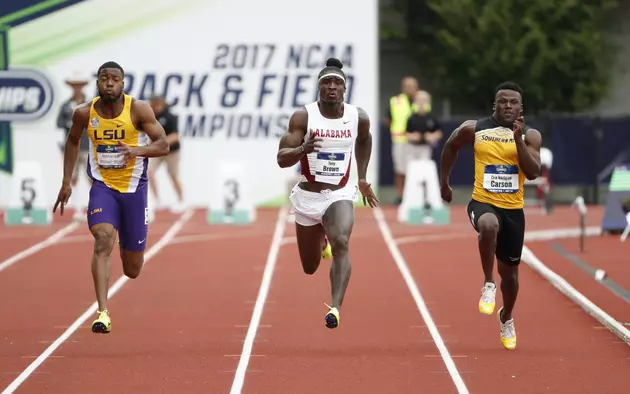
x: 6, y: 140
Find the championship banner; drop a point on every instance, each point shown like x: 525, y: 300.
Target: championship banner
x: 232, y: 77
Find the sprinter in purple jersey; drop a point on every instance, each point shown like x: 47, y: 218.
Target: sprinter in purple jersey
x: 123, y: 134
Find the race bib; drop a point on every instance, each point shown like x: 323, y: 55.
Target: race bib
x: 108, y: 157
x: 501, y: 179
x: 330, y: 164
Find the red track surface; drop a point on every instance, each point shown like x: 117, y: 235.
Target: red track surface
x: 14, y: 239
x: 605, y: 252
x: 180, y: 326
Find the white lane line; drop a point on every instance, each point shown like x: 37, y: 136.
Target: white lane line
x: 215, y: 237
x: 557, y: 233
x: 430, y: 237
x: 159, y: 245
x: 422, y: 307
x: 534, y: 235
x: 569, y: 291
x: 77, y: 239
x: 272, y: 258
x: 53, y: 239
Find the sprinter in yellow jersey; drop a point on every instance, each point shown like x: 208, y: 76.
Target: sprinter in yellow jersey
x: 123, y: 135
x: 506, y: 153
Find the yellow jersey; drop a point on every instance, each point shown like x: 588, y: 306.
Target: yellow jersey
x: 498, y: 177
x: 105, y: 163
x: 401, y: 108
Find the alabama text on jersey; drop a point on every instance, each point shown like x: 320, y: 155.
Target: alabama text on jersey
x: 333, y: 161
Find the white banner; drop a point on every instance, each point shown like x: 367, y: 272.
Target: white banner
x: 233, y: 71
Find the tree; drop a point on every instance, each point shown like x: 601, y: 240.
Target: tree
x: 555, y: 49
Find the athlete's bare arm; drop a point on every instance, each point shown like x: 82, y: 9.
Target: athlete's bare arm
x: 529, y: 153
x: 292, y: 146
x: 463, y: 135
x: 80, y: 118
x: 363, y: 144
x: 363, y: 150
x: 145, y: 118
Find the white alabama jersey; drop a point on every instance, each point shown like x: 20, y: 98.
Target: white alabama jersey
x: 332, y: 163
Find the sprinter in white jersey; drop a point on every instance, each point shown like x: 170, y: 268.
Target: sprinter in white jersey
x: 322, y: 137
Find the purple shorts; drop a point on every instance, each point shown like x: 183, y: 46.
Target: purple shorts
x: 127, y: 212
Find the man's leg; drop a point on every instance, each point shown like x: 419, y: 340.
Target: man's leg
x: 509, y: 249
x: 487, y: 224
x: 172, y: 166
x: 338, y: 222
x: 133, y: 231
x: 311, y: 241
x: 399, y: 182
x: 398, y: 158
x: 509, y: 288
x: 103, y: 220
x: 154, y: 164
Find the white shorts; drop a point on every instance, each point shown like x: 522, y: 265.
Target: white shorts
x: 399, y: 157
x: 419, y: 152
x: 309, y: 207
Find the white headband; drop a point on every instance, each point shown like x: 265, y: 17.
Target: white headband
x: 332, y: 75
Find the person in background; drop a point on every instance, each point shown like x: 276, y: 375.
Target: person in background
x: 400, y: 109
x: 423, y: 130
x: 77, y: 83
x: 169, y: 121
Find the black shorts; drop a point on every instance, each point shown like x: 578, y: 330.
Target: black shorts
x: 511, y: 229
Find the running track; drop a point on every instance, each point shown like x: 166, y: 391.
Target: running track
x: 184, y: 325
